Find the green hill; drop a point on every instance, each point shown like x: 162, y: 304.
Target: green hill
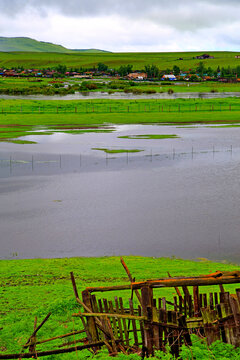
x: 91, y: 51
x: 25, y: 44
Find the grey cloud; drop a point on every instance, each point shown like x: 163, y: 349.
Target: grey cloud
x: 184, y: 15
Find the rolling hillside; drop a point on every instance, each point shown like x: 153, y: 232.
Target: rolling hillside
x: 75, y: 59
x: 25, y: 44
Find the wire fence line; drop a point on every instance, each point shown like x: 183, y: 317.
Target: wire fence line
x: 42, y: 163
x: 120, y: 108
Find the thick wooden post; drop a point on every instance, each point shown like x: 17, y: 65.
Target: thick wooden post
x: 32, y: 347
x: 86, y: 297
x: 196, y: 301
x: 147, y: 306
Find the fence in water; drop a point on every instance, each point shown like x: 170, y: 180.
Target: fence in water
x: 23, y: 163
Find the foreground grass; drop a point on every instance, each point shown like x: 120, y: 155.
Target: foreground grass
x: 30, y: 288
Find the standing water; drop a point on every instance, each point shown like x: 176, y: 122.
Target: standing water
x: 175, y: 197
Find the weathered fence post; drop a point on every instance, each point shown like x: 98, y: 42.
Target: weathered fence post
x: 147, y: 306
x: 86, y: 297
x: 32, y: 347
x: 196, y: 301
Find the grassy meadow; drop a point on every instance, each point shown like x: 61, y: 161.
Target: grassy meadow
x: 163, y: 60
x: 30, y: 288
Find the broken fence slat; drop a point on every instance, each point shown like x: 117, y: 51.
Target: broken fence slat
x: 54, y: 352
x: 233, y: 278
x: 125, y: 329
x: 113, y: 315
x: 131, y: 279
x: 74, y: 285
x: 133, y: 322
x: 113, y: 319
x: 119, y: 319
x: 37, y: 329
x: 61, y: 336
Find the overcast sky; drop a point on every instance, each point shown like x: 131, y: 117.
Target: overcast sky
x: 126, y: 25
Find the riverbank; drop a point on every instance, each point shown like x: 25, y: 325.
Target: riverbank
x: 36, y: 287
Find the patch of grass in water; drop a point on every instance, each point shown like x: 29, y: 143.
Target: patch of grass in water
x: 117, y: 151
x: 225, y: 126
x: 187, y: 127
x: 149, y: 136
x: 40, y: 133
x: 75, y: 132
x: 18, y: 141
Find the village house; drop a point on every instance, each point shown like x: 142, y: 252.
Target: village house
x: 204, y: 56
x: 237, y: 57
x: 170, y: 77
x: 49, y: 74
x: 137, y: 76
x: 85, y: 76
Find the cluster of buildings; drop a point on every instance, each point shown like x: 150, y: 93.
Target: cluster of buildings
x: 27, y: 73
x: 204, y: 57
x: 134, y: 76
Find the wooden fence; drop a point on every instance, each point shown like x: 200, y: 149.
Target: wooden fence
x: 154, y: 323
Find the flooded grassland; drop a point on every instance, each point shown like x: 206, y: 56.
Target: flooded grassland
x: 133, y: 190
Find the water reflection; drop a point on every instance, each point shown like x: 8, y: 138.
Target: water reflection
x: 126, y: 96
x: 23, y: 164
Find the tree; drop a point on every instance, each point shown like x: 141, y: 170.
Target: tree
x: 124, y: 70
x: 102, y: 67
x: 238, y: 71
x: 152, y: 71
x: 201, y: 69
x: 194, y: 78
x: 176, y: 70
x: 210, y: 71
x: 61, y: 69
x: 129, y: 68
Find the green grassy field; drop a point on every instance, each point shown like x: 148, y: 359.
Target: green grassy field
x: 19, y: 118
x: 30, y: 288
x: 115, y: 60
